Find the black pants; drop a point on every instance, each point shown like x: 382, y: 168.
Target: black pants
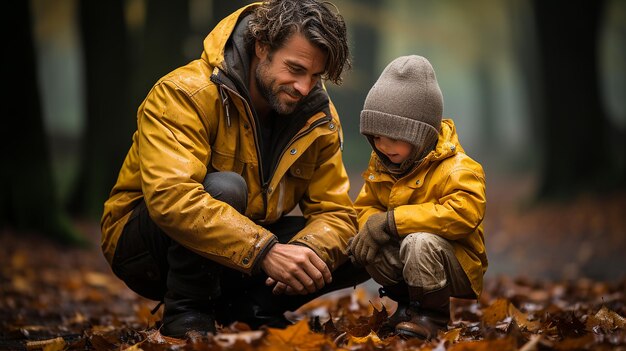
x: 150, y: 263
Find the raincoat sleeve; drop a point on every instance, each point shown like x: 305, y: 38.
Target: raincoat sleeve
x: 174, y: 151
x: 367, y: 203
x: 327, y: 207
x: 457, y: 211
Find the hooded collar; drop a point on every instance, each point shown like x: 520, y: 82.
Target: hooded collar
x: 447, y: 146
x: 226, y: 53
x: 225, y: 49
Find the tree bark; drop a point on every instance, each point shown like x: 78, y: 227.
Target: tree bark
x: 162, y: 44
x: 576, y: 131
x: 110, y: 120
x: 29, y: 201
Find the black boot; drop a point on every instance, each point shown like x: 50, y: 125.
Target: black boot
x: 255, y: 306
x: 182, y: 315
x: 400, y: 294
x: 193, y: 284
x: 429, y: 312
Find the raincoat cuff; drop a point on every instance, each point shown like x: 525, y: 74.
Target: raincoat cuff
x: 391, y: 223
x: 256, y: 269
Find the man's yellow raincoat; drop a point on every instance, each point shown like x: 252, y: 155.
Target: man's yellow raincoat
x: 198, y: 119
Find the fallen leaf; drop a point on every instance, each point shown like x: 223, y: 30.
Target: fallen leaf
x: 496, y: 312
x: 522, y: 319
x: 97, y: 279
x: 606, y: 320
x: 581, y: 343
x: 21, y: 284
x: 506, y: 344
x: 155, y: 337
x: 452, y: 335
x: 369, y: 338
x: 295, y: 337
x: 531, y: 345
x: 56, y: 344
x: 228, y: 340
x: 134, y: 347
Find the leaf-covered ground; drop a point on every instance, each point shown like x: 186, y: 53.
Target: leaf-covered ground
x: 58, y: 298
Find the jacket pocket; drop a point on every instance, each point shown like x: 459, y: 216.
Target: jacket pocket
x: 302, y: 171
x: 220, y: 162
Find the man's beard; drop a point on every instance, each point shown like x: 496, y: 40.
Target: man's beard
x: 265, y: 86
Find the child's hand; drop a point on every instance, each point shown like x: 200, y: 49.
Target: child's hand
x: 374, y: 234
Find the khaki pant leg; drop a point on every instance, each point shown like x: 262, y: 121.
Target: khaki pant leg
x: 387, y: 267
x: 430, y: 263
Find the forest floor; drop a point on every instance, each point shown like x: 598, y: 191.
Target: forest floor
x: 556, y: 281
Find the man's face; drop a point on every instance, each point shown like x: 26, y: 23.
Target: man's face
x: 286, y: 76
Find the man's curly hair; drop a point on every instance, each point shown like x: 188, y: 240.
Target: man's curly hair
x: 274, y: 22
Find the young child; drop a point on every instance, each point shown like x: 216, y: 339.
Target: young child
x: 421, y: 209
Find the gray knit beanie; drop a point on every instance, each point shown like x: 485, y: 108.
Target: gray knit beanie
x: 405, y: 104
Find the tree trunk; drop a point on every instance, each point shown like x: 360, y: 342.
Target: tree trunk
x: 222, y: 9
x: 110, y: 120
x: 162, y: 44
x: 29, y: 201
x: 576, y: 132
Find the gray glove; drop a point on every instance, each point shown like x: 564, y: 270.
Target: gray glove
x: 375, y: 233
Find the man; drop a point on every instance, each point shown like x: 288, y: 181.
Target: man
x: 225, y: 147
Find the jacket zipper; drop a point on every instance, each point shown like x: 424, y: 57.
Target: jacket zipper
x: 299, y: 135
x: 256, y: 144
x: 264, y: 182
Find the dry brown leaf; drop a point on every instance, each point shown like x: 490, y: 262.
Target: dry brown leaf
x: 97, y: 279
x: 378, y: 318
x: 143, y: 312
x: 606, y: 320
x: 496, y: 312
x: 531, y: 345
x: 56, y: 344
x: 496, y: 315
x: 452, y: 335
x: 230, y: 339
x: 522, y: 319
x: 19, y: 260
x: 581, y: 343
x: 369, y: 338
x: 135, y: 347
x: 21, y: 284
x: 506, y: 344
x: 155, y: 337
x: 297, y: 336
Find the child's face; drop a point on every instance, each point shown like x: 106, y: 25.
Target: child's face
x: 396, y: 150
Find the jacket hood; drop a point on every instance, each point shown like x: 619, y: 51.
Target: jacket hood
x: 447, y: 144
x: 217, y: 41
x: 229, y: 60
x: 225, y: 48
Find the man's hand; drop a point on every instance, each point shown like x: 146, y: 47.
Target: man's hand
x: 295, y: 269
x: 375, y: 233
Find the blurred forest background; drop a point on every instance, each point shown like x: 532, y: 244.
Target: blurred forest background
x: 537, y: 89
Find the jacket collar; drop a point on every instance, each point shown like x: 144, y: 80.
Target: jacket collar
x: 447, y: 146
x: 225, y: 49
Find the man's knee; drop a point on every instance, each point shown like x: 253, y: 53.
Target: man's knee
x: 228, y: 187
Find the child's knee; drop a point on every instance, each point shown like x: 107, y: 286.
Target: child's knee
x: 425, y: 242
